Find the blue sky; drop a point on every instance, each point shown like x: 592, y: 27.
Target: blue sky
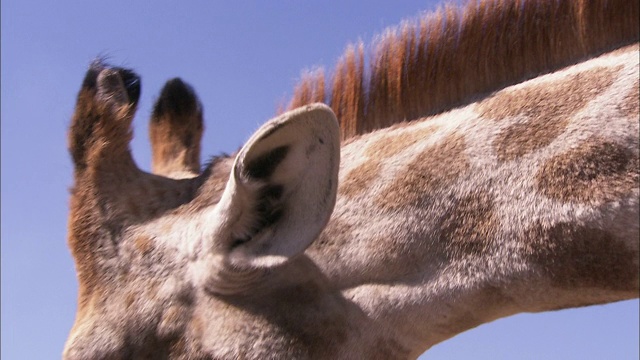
x: 242, y: 58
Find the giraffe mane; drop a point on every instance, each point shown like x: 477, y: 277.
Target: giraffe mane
x: 450, y: 57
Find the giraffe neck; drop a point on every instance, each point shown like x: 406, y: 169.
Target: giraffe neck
x: 522, y: 202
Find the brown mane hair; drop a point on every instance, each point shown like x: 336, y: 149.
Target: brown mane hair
x: 451, y: 56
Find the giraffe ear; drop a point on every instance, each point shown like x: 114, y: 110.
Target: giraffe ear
x: 282, y: 188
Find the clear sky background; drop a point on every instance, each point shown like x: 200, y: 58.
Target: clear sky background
x: 242, y: 58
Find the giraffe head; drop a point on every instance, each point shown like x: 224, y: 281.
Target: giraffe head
x: 487, y: 219
x: 157, y: 255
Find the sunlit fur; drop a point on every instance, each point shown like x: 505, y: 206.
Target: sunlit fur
x: 456, y: 55
x: 523, y: 199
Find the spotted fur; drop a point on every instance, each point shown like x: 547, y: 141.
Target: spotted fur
x: 300, y: 246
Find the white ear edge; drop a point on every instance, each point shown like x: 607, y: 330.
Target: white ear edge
x: 311, y: 167
x: 306, y: 144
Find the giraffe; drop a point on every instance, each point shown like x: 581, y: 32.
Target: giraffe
x: 344, y: 231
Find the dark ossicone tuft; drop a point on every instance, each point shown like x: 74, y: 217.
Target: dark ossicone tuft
x: 130, y: 79
x: 177, y: 98
x: 131, y: 83
x: 91, y: 77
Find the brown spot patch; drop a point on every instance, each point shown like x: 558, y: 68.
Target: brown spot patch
x: 595, y: 171
x: 631, y: 102
x: 310, y: 321
x: 172, y: 315
x: 173, y: 321
x: 359, y: 179
x: 197, y: 325
x: 490, y: 299
x: 467, y: 228
x: 549, y: 107
x: 143, y: 244
x: 460, y: 322
x: 437, y: 166
x: 166, y: 228
x: 152, y: 289
x: 178, y: 347
x: 387, y: 349
x: 130, y: 299
x: 391, y: 145
x: 334, y: 230
x: 575, y: 256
